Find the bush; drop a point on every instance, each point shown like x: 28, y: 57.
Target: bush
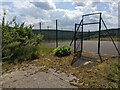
x: 18, y: 41
x: 19, y: 54
x: 62, y: 51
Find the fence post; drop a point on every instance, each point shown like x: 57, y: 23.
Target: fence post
x: 40, y: 26
x: 48, y: 33
x: 56, y: 35
x: 82, y: 36
x: 89, y: 34
x: 99, y: 35
x: 75, y: 39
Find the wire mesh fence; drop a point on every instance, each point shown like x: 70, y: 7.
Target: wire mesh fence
x: 56, y: 35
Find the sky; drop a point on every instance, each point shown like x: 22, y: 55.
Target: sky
x: 67, y: 12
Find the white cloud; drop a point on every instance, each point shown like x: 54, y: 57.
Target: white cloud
x: 22, y: 4
x: 46, y: 11
x: 44, y: 5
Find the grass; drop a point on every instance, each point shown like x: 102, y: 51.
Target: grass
x: 44, y: 50
x: 113, y: 72
x: 100, y: 75
x: 94, y: 77
x: 41, y: 52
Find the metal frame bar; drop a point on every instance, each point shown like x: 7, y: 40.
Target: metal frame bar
x: 82, y: 23
x: 75, y: 38
x: 76, y: 31
x: 90, y: 23
x: 111, y: 37
x: 91, y: 14
x: 82, y: 36
x: 79, y: 24
x: 99, y: 34
x: 100, y: 20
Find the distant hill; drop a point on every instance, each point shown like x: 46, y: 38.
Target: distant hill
x: 68, y: 35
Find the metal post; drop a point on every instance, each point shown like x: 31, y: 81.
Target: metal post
x: 111, y: 37
x: 62, y: 34
x: 40, y: 26
x: 99, y: 34
x: 88, y: 34
x: 76, y: 31
x: 56, y: 35
x: 82, y: 36
x: 48, y: 32
x: 75, y: 39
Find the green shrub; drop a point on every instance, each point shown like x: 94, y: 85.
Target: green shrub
x: 18, y: 41
x: 62, y: 51
x: 20, y: 54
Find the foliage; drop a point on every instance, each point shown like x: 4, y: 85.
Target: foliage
x: 62, y: 51
x: 23, y: 53
x: 18, y: 41
x: 42, y: 51
x: 113, y: 72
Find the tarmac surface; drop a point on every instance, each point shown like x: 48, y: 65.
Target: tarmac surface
x: 107, y: 47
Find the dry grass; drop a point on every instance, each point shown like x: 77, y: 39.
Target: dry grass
x: 94, y: 77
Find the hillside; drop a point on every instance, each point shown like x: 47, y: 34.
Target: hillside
x: 68, y: 35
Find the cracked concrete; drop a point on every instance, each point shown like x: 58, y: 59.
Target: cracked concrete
x: 29, y: 78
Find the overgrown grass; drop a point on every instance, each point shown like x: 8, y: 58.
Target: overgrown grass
x: 27, y: 52
x: 44, y: 50
x: 20, y: 54
x: 100, y: 75
x: 94, y: 77
x: 113, y: 71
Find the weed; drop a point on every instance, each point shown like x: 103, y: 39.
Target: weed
x: 113, y: 72
x: 62, y: 51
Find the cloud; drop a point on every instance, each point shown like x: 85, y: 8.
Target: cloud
x: 119, y: 15
x: 34, y: 11
x: 79, y: 3
x: 21, y: 4
x: 44, y: 5
x: 110, y: 15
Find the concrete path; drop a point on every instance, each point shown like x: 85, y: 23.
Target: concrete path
x: 29, y: 78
